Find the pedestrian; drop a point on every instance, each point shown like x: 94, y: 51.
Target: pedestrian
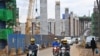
x: 76, y: 41
x: 93, y: 45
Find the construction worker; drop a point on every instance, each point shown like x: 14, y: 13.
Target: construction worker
x: 33, y: 47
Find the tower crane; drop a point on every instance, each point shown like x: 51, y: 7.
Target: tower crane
x: 28, y: 25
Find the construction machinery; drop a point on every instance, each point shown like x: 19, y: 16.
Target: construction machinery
x: 29, y: 22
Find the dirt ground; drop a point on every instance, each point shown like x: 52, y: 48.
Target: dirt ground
x: 75, y: 51
x: 86, y: 52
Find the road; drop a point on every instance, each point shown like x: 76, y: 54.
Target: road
x: 48, y: 52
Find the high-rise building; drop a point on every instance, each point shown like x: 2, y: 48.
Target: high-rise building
x: 67, y: 22
x: 43, y: 17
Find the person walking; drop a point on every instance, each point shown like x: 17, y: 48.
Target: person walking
x: 93, y: 45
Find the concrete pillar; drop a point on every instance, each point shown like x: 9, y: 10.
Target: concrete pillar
x: 52, y: 27
x: 43, y: 17
x: 67, y: 22
x: 57, y: 19
x: 77, y: 27
x: 81, y: 27
x: 69, y: 26
x: 74, y: 26
x: 87, y: 24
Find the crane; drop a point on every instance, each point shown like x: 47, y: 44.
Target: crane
x: 28, y: 24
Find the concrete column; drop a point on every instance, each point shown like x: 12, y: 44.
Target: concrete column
x: 43, y: 17
x: 57, y: 18
x: 54, y: 28
x: 74, y: 27
x: 77, y: 27
x: 87, y: 24
x: 67, y: 22
x: 48, y: 26
x: 81, y: 27
x: 69, y: 26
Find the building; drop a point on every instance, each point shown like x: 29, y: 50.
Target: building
x: 43, y: 17
x: 51, y: 26
x: 22, y: 26
x: 71, y: 24
x: 58, y: 27
x: 67, y: 22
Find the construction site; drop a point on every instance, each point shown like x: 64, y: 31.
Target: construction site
x: 15, y: 36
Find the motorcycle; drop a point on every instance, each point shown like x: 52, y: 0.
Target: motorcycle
x: 31, y: 53
x: 64, y: 52
x: 55, y: 51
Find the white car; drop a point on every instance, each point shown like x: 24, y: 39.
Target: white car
x: 73, y: 40
x: 69, y: 40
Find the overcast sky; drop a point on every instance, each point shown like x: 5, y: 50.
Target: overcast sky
x: 79, y: 7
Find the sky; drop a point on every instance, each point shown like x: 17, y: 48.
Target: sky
x: 78, y: 7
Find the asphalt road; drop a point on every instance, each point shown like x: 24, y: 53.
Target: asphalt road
x: 48, y: 52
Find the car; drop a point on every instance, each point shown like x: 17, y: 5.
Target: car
x: 74, y: 39
x: 88, y: 41
x: 69, y: 40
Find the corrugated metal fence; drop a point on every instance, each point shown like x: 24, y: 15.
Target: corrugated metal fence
x: 18, y: 40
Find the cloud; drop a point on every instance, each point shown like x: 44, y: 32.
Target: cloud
x: 79, y: 7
